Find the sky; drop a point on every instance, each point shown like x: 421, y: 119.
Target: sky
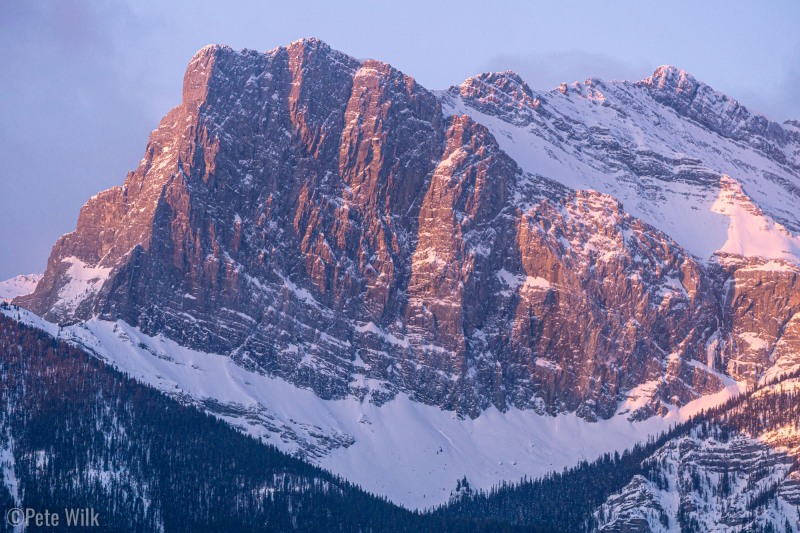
x: 82, y: 83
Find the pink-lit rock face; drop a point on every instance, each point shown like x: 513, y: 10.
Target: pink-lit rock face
x: 318, y: 219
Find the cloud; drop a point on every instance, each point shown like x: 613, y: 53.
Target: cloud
x: 778, y: 101
x: 75, y: 118
x: 547, y: 71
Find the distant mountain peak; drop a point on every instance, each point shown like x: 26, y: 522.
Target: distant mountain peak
x: 18, y: 286
x: 503, y: 77
x: 693, y: 99
x: 509, y: 82
x: 673, y: 80
x: 499, y: 92
x: 670, y: 73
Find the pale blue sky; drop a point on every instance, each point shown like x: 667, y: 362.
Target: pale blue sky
x: 82, y: 83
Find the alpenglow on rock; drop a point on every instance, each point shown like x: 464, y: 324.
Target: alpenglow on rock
x: 333, y: 223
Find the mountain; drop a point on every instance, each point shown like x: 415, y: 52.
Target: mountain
x: 18, y: 286
x: 737, y: 470
x: 679, y: 155
x: 600, y: 260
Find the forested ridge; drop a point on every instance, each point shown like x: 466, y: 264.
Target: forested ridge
x: 74, y: 432
x: 565, y: 501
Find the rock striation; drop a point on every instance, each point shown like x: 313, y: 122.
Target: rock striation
x: 331, y: 222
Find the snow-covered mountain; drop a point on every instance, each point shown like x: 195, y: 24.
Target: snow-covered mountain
x: 18, y: 286
x: 736, y: 471
x: 325, y: 253
x: 678, y: 155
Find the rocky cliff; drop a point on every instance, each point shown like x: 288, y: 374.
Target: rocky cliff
x: 735, y: 470
x: 333, y: 223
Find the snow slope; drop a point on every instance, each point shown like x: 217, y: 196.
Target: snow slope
x: 410, y: 452
x: 667, y: 169
x: 84, y: 281
x: 750, y: 232
x: 18, y: 286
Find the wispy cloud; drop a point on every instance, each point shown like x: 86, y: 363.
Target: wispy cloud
x: 76, y: 111
x: 779, y: 101
x: 546, y: 71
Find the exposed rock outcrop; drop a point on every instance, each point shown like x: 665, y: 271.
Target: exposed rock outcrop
x: 323, y: 220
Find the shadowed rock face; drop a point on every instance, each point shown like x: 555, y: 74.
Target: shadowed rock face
x: 319, y: 219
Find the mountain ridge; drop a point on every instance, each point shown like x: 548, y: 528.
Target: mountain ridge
x: 589, y: 251
x: 360, y: 184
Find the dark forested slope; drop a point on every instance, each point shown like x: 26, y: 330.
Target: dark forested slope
x: 76, y: 433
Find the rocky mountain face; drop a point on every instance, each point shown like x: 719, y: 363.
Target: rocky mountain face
x: 332, y: 223
x: 735, y: 471
x: 701, y: 484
